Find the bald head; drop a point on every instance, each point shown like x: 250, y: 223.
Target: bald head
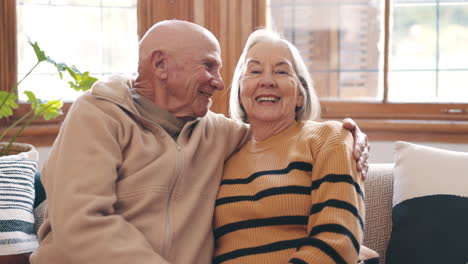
x: 179, y: 67
x: 173, y: 36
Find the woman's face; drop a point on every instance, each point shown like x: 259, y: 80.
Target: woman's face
x: 269, y: 87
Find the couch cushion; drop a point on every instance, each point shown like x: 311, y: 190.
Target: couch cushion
x: 379, y: 191
x: 430, y: 206
x: 16, y: 205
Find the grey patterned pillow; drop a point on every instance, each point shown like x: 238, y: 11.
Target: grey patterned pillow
x: 16, y: 205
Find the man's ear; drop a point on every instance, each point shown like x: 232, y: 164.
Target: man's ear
x: 159, y: 64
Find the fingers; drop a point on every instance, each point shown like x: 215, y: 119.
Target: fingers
x: 361, y: 149
x: 360, y: 139
x: 361, y: 144
x: 349, y: 124
x: 362, y: 163
x: 364, y: 171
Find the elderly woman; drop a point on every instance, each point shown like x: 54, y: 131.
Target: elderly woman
x: 291, y: 194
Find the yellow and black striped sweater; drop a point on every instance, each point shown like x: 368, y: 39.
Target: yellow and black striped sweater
x: 293, y: 198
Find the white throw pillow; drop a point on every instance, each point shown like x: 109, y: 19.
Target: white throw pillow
x: 430, y: 206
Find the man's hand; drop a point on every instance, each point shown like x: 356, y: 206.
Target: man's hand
x: 361, y: 146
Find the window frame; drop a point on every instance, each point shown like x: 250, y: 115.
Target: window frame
x: 388, y: 121
x: 381, y: 121
x: 230, y: 21
x: 40, y: 132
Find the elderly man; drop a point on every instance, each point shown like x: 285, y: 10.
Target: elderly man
x: 134, y: 172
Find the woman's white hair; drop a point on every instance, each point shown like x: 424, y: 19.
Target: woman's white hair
x: 310, y: 109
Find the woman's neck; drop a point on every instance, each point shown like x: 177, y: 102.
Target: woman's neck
x: 261, y: 130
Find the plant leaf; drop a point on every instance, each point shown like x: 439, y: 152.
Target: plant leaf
x: 6, y: 109
x: 32, y: 99
x: 86, y: 81
x: 49, y: 110
x: 83, y: 81
x: 40, y: 54
x: 74, y: 73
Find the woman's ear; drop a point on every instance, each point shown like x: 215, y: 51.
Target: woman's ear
x: 299, y: 99
x: 159, y: 64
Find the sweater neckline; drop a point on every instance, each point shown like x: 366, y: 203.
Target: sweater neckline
x: 272, y: 141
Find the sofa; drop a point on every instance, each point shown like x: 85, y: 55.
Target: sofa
x: 379, y: 191
x: 417, y: 206
x: 380, y: 194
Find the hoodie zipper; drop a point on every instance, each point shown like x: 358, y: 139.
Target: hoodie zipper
x: 168, y: 231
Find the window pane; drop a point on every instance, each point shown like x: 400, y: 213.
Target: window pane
x: 455, y: 85
x: 429, y: 40
x: 76, y: 2
x: 101, y: 40
x: 414, y: 37
x: 339, y: 41
x: 454, y: 37
x: 412, y: 86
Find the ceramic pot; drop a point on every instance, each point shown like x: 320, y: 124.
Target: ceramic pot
x: 20, y: 150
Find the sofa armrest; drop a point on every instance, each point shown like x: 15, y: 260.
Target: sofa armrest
x: 379, y: 192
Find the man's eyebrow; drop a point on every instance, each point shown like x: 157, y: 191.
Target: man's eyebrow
x: 213, y: 60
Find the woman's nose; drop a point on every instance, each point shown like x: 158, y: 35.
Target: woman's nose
x: 267, y: 81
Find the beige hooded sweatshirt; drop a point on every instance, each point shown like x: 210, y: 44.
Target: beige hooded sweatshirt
x: 121, y: 190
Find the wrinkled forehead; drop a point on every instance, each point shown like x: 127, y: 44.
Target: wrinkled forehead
x: 270, y: 52
x: 201, y: 47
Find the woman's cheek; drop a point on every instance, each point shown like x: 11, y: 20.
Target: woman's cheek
x: 291, y: 82
x: 248, y: 85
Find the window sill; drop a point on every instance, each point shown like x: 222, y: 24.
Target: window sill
x: 376, y: 129
x: 415, y: 130
x: 39, y: 135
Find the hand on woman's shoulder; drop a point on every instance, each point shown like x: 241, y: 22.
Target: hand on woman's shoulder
x: 330, y: 132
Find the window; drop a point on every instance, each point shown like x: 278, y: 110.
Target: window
x: 429, y: 59
x: 391, y: 61
x: 337, y: 42
x: 230, y: 21
x: 99, y: 36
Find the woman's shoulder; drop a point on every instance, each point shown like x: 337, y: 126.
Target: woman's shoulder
x: 326, y: 132
x: 330, y: 126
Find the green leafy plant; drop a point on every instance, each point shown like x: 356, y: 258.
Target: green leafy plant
x: 39, y: 108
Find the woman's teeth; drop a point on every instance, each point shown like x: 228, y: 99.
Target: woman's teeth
x: 267, y: 99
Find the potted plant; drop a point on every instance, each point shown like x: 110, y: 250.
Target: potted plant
x: 39, y: 108
x: 18, y: 161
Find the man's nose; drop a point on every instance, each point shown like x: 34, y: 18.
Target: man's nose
x: 217, y: 82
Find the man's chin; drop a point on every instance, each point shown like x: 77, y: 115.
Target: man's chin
x: 205, y: 110
x: 202, y: 113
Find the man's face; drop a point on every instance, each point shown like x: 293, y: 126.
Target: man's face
x: 194, y: 76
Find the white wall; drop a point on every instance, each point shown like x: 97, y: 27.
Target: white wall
x: 43, y: 154
x: 381, y: 151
